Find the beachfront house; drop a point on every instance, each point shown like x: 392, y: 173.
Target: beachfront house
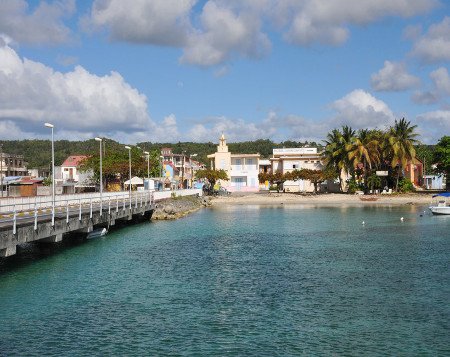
x: 288, y: 159
x: 69, y: 177
x: 184, y: 164
x: 242, y: 169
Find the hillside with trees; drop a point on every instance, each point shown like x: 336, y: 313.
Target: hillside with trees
x: 38, y: 152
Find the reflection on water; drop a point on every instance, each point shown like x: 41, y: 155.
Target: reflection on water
x: 246, y: 280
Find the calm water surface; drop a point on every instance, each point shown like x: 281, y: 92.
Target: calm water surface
x: 238, y: 281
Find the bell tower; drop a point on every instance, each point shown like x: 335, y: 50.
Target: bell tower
x: 223, y: 147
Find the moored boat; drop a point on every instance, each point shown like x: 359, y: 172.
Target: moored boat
x: 97, y: 233
x: 441, y: 204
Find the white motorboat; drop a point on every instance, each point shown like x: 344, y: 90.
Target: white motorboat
x: 441, y: 204
x: 97, y: 233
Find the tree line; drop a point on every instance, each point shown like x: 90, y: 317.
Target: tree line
x: 361, y: 153
x: 37, y: 153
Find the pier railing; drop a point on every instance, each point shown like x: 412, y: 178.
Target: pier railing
x: 69, y: 204
x: 19, y: 204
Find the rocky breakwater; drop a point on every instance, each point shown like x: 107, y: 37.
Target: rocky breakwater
x: 177, y: 207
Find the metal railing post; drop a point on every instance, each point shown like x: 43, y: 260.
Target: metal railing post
x: 67, y: 212
x: 35, y: 217
x: 14, y: 220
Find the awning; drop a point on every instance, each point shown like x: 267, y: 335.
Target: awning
x: 135, y: 181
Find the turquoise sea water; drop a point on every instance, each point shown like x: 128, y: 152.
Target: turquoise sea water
x: 238, y: 281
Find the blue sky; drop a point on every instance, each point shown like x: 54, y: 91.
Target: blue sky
x: 186, y: 70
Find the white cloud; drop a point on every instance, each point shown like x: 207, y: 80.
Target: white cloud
x: 223, y: 34
x: 43, y: 25
x: 236, y: 130
x: 360, y: 109
x: 393, y: 77
x: 434, y: 125
x: 440, y: 88
x: 434, y: 46
x: 222, y: 30
x: 159, y: 22
x: 327, y: 21
x: 77, y: 101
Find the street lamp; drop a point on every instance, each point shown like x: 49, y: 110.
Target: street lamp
x: 101, y: 171
x: 148, y: 165
x: 161, y: 170
x: 129, y: 161
x: 51, y: 126
x: 192, y: 167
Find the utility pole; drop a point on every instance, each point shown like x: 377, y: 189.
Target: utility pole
x: 182, y: 172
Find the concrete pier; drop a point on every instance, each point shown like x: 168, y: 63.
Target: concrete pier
x: 83, y: 219
x: 31, y: 219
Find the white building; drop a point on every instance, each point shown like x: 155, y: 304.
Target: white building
x: 242, y: 169
x: 289, y: 159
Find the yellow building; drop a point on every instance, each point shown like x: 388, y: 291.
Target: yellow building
x: 242, y: 169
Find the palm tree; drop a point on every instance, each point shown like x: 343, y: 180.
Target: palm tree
x: 402, y: 138
x: 335, y: 154
x: 364, y: 149
x: 331, y: 154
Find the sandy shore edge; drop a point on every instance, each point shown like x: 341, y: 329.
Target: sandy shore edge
x: 333, y: 199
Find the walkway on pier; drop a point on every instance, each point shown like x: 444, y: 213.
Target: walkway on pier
x: 30, y: 219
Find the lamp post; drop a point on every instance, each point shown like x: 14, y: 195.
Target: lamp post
x: 182, y: 167
x: 101, y: 171
x: 51, y: 126
x: 129, y: 161
x: 147, y: 154
x: 161, y: 171
x: 192, y: 167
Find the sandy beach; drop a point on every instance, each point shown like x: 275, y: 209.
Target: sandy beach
x: 321, y: 199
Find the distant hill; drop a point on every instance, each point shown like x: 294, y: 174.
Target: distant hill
x: 38, y: 152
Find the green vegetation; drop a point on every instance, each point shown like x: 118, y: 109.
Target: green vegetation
x: 38, y: 152
x: 363, y: 152
x: 442, y: 158
x: 405, y: 185
x: 315, y: 176
x: 211, y: 175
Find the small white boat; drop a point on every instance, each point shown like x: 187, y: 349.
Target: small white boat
x: 441, y: 204
x: 97, y: 233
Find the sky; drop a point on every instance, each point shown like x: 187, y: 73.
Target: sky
x: 190, y: 70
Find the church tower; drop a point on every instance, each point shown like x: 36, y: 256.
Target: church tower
x: 223, y: 147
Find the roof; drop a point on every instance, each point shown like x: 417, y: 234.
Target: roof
x: 245, y: 155
x: 73, y: 161
x: 135, y: 181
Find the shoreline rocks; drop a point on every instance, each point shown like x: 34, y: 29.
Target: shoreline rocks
x: 178, y: 207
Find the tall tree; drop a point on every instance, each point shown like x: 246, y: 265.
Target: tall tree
x: 401, y: 139
x: 336, y: 154
x: 364, y: 148
x: 212, y: 176
x: 442, y: 159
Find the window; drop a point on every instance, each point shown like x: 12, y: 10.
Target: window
x: 222, y: 164
x: 295, y: 166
